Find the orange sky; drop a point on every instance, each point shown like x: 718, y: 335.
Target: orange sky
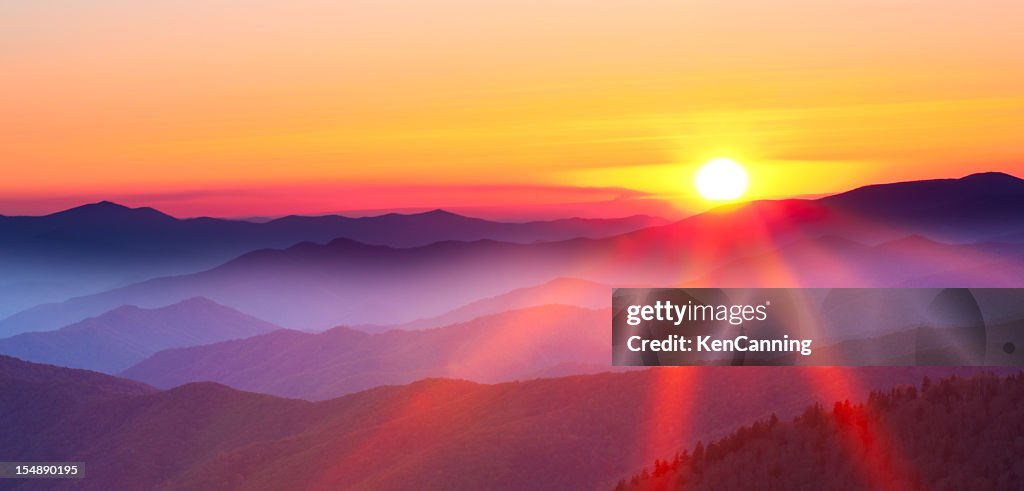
x: 200, y: 101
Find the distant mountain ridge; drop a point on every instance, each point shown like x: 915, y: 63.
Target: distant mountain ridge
x: 392, y: 229
x: 314, y: 286
x: 560, y: 291
x: 126, y: 335
x: 104, y: 245
x: 914, y: 261
x: 984, y: 206
x: 494, y: 348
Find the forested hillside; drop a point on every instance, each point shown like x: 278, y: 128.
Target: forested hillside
x: 957, y: 433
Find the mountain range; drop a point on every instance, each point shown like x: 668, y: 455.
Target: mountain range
x: 441, y: 302
x: 513, y: 345
x: 561, y: 291
x: 105, y: 245
x: 126, y: 335
x: 844, y: 240
x: 318, y: 286
x: 581, y: 432
x: 978, y: 207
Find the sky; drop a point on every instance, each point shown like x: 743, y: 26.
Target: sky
x: 262, y: 107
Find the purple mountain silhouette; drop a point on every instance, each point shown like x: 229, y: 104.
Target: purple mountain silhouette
x: 562, y: 291
x: 984, y: 206
x: 104, y: 245
x: 314, y: 286
x: 126, y: 335
x: 343, y: 282
x: 493, y: 348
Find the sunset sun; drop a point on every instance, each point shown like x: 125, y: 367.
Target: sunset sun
x: 721, y: 180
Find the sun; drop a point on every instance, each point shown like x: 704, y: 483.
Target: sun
x: 721, y: 180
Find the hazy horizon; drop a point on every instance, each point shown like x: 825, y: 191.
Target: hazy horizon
x: 627, y: 204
